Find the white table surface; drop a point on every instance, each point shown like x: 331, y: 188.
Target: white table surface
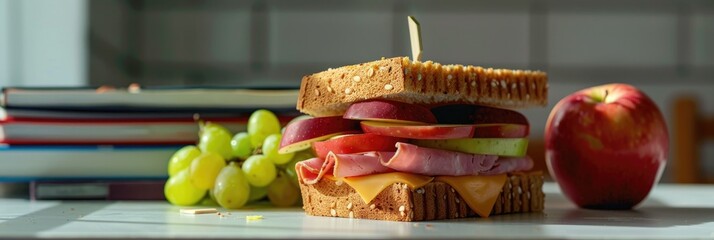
x: 671, y: 211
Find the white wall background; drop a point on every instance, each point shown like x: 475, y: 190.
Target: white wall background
x: 43, y: 42
x: 4, y: 42
x: 664, y: 47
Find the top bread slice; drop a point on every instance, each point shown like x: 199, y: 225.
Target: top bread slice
x: 329, y: 93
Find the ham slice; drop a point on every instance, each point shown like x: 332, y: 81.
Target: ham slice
x: 510, y: 164
x: 409, y: 158
x: 311, y: 171
x: 434, y: 162
x: 341, y: 165
x: 350, y: 165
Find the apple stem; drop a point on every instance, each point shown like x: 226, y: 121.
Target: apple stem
x: 605, y: 97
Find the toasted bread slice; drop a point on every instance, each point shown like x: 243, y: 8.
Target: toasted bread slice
x: 521, y: 193
x: 330, y: 92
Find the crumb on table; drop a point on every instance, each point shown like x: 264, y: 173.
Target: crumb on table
x: 194, y: 211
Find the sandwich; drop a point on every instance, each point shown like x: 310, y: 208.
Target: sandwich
x: 402, y: 140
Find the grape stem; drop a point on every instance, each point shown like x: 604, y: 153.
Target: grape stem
x: 201, y: 123
x: 257, y: 151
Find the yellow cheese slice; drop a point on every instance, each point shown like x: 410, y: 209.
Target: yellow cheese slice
x: 369, y: 186
x: 479, y: 192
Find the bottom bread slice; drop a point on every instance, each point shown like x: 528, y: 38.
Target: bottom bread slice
x: 522, y: 192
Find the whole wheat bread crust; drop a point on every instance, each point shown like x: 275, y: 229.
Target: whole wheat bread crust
x: 521, y: 193
x: 330, y: 92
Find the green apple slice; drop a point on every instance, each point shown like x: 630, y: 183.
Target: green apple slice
x: 511, y: 147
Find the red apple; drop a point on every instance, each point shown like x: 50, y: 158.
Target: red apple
x: 476, y: 114
x: 606, y: 146
x: 419, y: 131
x: 356, y: 143
x: 300, y: 134
x: 389, y: 111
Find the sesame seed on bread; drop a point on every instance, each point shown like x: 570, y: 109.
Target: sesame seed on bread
x: 330, y: 92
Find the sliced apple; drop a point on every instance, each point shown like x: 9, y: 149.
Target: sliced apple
x: 356, y: 143
x: 501, y: 130
x: 418, y: 131
x: 476, y: 114
x: 299, y: 135
x: 389, y: 111
x: 511, y: 147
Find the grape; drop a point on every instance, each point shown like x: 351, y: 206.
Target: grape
x: 282, y: 193
x: 259, y: 170
x: 182, y: 159
x: 261, y: 124
x: 205, y: 168
x: 211, y: 126
x: 231, y: 190
x: 215, y: 138
x: 211, y: 196
x: 241, y: 146
x: 303, y: 155
x: 208, y: 201
x: 179, y: 190
x: 270, y: 149
x: 257, y: 193
x: 290, y: 171
x: 291, y: 174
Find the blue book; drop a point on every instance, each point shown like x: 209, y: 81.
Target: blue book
x: 24, y: 163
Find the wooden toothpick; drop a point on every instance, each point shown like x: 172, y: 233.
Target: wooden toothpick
x: 415, y: 37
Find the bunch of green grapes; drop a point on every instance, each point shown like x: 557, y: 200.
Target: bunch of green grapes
x: 233, y: 170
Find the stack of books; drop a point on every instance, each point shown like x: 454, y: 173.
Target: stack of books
x: 98, y: 143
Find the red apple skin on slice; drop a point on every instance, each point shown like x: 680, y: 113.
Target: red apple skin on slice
x: 300, y: 134
x: 418, y: 131
x: 501, y: 130
x: 389, y: 111
x: 476, y: 114
x: 356, y: 143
